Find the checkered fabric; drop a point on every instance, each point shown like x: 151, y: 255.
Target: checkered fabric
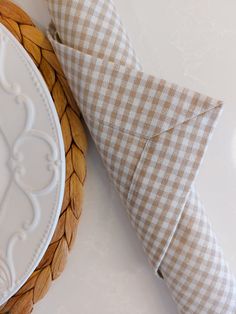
x: 152, y: 136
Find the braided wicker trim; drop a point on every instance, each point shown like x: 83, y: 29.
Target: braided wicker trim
x: 54, y: 260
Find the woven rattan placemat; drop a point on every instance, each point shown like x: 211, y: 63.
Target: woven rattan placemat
x: 54, y: 260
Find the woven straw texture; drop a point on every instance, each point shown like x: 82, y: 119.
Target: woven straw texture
x: 54, y: 260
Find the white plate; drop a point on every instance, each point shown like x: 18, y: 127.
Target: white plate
x: 32, y: 166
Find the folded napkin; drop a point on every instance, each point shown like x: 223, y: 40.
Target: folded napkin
x: 152, y: 136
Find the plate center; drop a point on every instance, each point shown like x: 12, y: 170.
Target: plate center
x: 4, y: 170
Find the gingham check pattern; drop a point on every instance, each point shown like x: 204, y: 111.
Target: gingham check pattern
x: 152, y: 136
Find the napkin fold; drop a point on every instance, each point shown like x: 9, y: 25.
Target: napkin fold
x: 152, y: 136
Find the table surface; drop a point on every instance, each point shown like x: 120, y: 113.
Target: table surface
x: 191, y: 43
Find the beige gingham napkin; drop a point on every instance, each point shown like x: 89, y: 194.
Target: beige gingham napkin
x: 152, y: 136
